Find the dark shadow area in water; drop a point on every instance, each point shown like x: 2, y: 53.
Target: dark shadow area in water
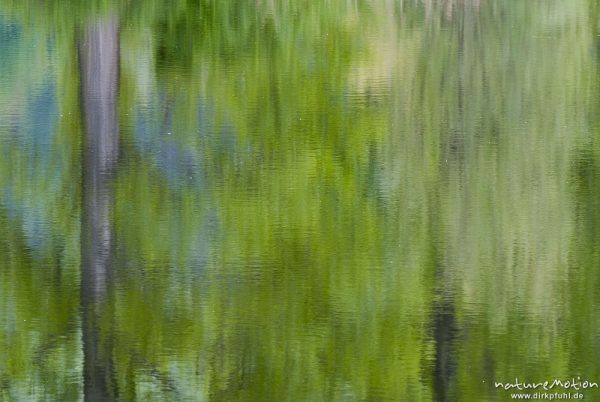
x: 444, y: 333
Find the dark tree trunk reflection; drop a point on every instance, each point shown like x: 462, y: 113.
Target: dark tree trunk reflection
x: 99, y: 66
x: 444, y: 334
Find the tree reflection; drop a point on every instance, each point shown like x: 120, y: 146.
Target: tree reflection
x: 99, y: 65
x: 313, y: 202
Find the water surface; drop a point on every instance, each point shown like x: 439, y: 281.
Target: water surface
x: 298, y: 201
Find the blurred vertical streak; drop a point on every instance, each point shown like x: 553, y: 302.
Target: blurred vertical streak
x: 98, y: 44
x: 444, y: 335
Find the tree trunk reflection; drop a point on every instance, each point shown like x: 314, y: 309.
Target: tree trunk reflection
x: 99, y: 66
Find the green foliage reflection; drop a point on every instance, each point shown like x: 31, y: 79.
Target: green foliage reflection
x: 313, y: 200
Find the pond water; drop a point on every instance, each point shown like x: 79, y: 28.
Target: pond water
x: 391, y: 200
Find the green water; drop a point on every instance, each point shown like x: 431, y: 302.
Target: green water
x: 274, y: 200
